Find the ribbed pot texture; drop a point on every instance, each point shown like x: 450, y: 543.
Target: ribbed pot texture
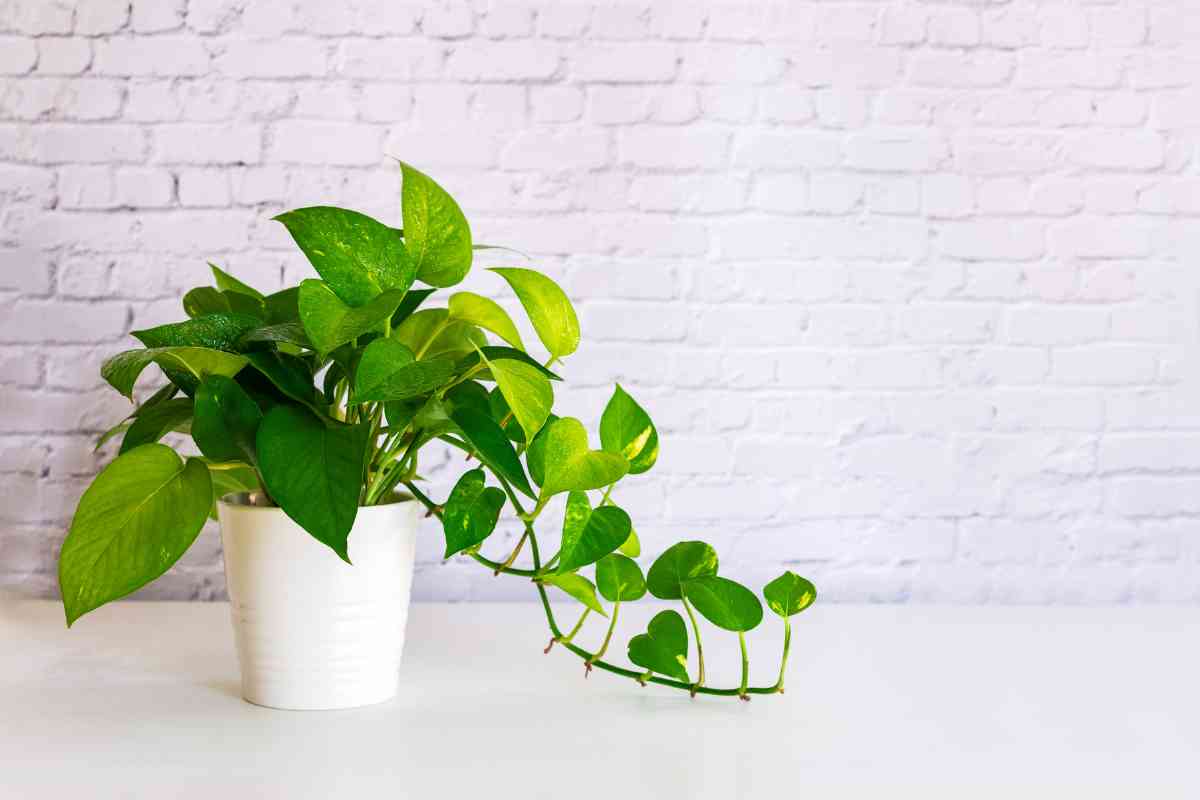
x: 312, y: 631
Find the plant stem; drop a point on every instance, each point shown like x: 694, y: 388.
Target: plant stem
x: 516, y: 550
x: 437, y: 331
x: 745, y: 666
x: 787, y: 645
x: 699, y: 647
x: 571, y: 635
x: 612, y: 624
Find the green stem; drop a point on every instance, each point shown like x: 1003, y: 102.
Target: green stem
x: 516, y: 550
x: 699, y: 647
x: 437, y: 331
x: 612, y: 624
x: 787, y: 645
x: 745, y: 666
x: 571, y: 635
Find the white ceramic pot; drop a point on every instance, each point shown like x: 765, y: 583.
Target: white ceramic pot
x: 314, y: 632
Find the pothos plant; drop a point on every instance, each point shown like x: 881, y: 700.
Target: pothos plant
x: 321, y: 398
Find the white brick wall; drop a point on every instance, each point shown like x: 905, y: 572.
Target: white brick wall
x: 908, y: 286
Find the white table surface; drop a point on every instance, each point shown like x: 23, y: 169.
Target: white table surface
x: 140, y: 700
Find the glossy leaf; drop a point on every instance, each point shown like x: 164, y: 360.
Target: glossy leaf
x: 548, y: 308
x: 625, y: 428
x: 632, y: 546
x: 498, y: 407
x: 215, y: 331
x: 471, y: 512
x: 226, y: 422
x: 156, y: 422
x: 284, y: 332
x: 231, y: 479
x: 619, y: 579
x: 588, y: 535
x: 487, y: 314
x: 430, y: 333
x: 286, y: 373
x: 135, y: 520
x: 412, y: 301
x: 227, y: 283
x: 399, y: 413
x: 492, y: 446
x: 664, y: 646
x: 283, y: 306
x: 725, y: 603
x: 578, y: 587
x: 493, y: 352
x: 435, y: 230
x: 190, y: 363
x: 527, y: 392
x: 789, y: 594
x: 358, y: 257
x: 387, y: 371
x: 329, y: 322
x: 206, y: 300
x: 681, y: 562
x: 313, y: 469
x: 467, y: 394
x: 561, y: 457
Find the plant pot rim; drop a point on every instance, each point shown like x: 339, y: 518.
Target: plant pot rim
x: 243, y: 501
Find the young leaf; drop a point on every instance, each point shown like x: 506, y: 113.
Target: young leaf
x: 626, y: 428
x: 632, y: 546
x: 664, y: 646
x: 205, y: 300
x: 357, y: 256
x: 548, y: 308
x: 471, y: 512
x: 226, y: 420
x: 789, y: 594
x: 435, y: 230
x: 387, y: 371
x: 329, y: 322
x: 578, y: 587
x: 725, y: 603
x: 560, y: 457
x: 215, y: 331
x: 491, y: 445
x: 487, y: 314
x: 153, y: 423
x: 588, y: 535
x: 314, y: 470
x: 284, y: 332
x: 681, y: 562
x: 135, y: 520
x: 494, y: 352
x: 619, y: 579
x: 227, y: 283
x: 188, y: 364
x: 527, y: 392
x: 430, y: 333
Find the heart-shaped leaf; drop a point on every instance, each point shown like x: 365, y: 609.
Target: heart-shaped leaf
x: 578, y: 587
x: 664, y: 646
x: 565, y: 463
x: 588, y: 535
x: 548, y: 308
x: 226, y: 420
x: 227, y: 283
x: 135, y: 520
x: 314, y: 470
x: 494, y: 352
x: 725, y: 603
x: 151, y: 424
x: 789, y: 594
x: 329, y: 322
x: 215, y: 331
x: 435, y: 230
x: 188, y: 364
x: 471, y: 512
x: 626, y: 428
x: 357, y: 256
x: 526, y: 390
x: 619, y: 579
x: 491, y: 445
x: 387, y: 371
x: 679, y: 563
x: 487, y: 314
x: 287, y: 374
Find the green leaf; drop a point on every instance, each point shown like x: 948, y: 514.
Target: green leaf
x: 560, y: 456
x: 588, y: 535
x: 357, y: 256
x: 487, y: 314
x: 467, y: 394
x: 632, y: 546
x: 329, y: 322
x: 626, y: 428
x: 725, y: 603
x: 227, y: 283
x: 789, y: 594
x: 494, y: 352
x: 471, y: 512
x: 285, y: 332
x: 205, y: 300
x: 215, y: 331
x: 664, y: 646
x: 435, y: 230
x: 527, y: 392
x: 619, y: 579
x: 681, y: 562
x: 578, y: 587
x: 153, y: 423
x: 226, y: 420
x: 399, y: 413
x: 411, y: 302
x: 431, y: 334
x: 548, y: 307
x: 230, y: 479
x: 491, y: 445
x: 115, y: 430
x: 135, y: 520
x: 283, y: 306
x: 387, y: 371
x: 190, y: 363
x: 314, y: 470
x: 286, y: 373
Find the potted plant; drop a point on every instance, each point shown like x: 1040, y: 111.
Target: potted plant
x: 310, y: 408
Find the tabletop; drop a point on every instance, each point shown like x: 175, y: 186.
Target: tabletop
x: 140, y: 700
